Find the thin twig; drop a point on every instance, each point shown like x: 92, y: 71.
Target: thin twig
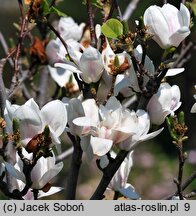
x: 180, y: 171
x: 118, y: 9
x: 186, y: 183
x: 91, y: 23
x: 64, y: 155
x: 5, y: 48
x: 130, y: 9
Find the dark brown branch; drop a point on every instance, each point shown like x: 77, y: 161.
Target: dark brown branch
x: 108, y: 173
x: 91, y: 23
x: 74, y: 169
x: 180, y: 171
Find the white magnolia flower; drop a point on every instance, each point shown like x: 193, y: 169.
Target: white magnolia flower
x: 106, y: 125
x: 56, y: 51
x: 119, y: 180
x: 69, y: 29
x: 168, y: 25
x: 142, y: 134
x: 166, y: 101
x: 33, y: 120
x: 87, y: 64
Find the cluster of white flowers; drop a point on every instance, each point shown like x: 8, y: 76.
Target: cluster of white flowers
x: 100, y: 125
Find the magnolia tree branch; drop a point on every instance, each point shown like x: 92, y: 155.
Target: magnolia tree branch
x: 74, y: 168
x: 108, y: 173
x: 91, y: 23
x: 130, y: 9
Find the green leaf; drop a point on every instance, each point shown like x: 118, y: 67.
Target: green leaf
x: 113, y: 28
x: 45, y: 7
x: 56, y: 11
x: 193, y: 7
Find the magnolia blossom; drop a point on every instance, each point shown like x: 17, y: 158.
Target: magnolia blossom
x: 168, y: 25
x: 107, y: 125
x: 119, y: 180
x: 69, y: 29
x: 166, y: 101
x: 33, y: 120
x: 143, y: 127
x: 42, y: 173
x: 87, y: 64
x: 71, y: 32
x: 111, y: 124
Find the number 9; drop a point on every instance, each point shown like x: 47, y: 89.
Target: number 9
x: 186, y: 206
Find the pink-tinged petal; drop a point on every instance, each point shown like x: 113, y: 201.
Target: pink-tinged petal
x: 55, y: 51
x: 91, y: 65
x: 174, y: 71
x: 174, y: 24
x: 153, y: 19
x: 100, y: 146
x: 91, y: 110
x: 71, y: 66
x: 54, y: 114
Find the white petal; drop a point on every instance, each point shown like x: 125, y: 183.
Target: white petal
x: 59, y: 75
x: 174, y: 71
x: 100, y: 146
x: 69, y: 66
x: 30, y: 122
x: 193, y: 109
x: 55, y: 115
x: 84, y: 122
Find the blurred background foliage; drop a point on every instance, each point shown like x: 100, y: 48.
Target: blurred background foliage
x: 155, y: 162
